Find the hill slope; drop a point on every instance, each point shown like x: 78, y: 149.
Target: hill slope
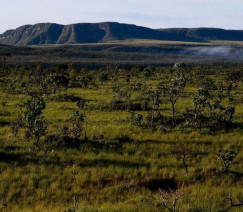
x: 49, y: 33
x: 206, y: 34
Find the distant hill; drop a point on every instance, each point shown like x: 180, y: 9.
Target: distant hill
x: 49, y: 33
x: 205, y: 34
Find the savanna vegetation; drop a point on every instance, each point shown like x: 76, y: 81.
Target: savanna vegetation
x: 128, y: 53
x: 121, y: 139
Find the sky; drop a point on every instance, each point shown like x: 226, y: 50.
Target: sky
x: 227, y: 14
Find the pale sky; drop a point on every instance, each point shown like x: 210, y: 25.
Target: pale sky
x: 226, y: 14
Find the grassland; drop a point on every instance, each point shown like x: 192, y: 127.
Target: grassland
x: 122, y: 53
x: 124, y: 169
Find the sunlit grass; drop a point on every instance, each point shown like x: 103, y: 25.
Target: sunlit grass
x: 109, y: 179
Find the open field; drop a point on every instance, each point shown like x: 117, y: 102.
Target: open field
x: 124, y: 161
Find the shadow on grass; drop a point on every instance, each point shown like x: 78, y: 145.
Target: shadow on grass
x: 237, y: 176
x: 116, y: 163
x: 2, y: 113
x: 159, y: 142
x: 22, y: 159
x: 201, y: 175
x: 163, y: 184
x: 8, y: 157
x: 65, y: 142
x: 4, y: 123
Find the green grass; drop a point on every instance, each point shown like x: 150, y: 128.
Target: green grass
x: 110, y: 178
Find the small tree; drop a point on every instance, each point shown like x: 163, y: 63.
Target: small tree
x: 182, y: 154
x: 34, y: 121
x: 228, y: 158
x: 154, y: 97
x: 207, y: 83
x: 178, y: 66
x: 171, y: 198
x: 15, y: 125
x: 196, y: 117
x: 39, y: 129
x: 104, y: 77
x: 209, y: 109
x: 174, y: 90
x: 148, y: 72
x: 77, y: 120
x: 232, y: 79
x: 82, y: 103
x: 231, y: 204
x: 136, y: 119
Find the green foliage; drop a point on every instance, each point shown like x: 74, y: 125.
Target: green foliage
x: 103, y: 78
x: 16, y: 124
x: 174, y: 90
x: 81, y: 104
x: 33, y: 120
x: 210, y: 109
x: 228, y: 158
x: 136, y: 119
x: 77, y: 121
x: 32, y: 108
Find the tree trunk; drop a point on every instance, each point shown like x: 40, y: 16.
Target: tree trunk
x: 85, y: 126
x: 37, y: 141
x: 75, y: 202
x: 185, y: 165
x: 173, y: 114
